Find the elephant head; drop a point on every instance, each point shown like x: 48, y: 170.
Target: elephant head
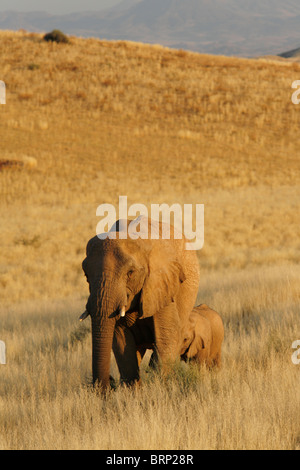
x: 124, y: 276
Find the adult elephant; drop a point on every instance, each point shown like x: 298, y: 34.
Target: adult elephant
x: 142, y: 291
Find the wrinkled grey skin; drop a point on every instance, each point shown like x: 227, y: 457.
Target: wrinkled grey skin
x: 203, y: 337
x: 202, y: 340
x: 141, y: 295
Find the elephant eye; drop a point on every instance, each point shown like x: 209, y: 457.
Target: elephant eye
x: 130, y: 273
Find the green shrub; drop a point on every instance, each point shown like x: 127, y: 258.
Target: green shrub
x: 56, y: 36
x: 33, y: 66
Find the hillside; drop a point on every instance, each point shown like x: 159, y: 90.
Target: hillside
x: 245, y: 28
x: 293, y: 54
x: 102, y: 119
x: 105, y: 119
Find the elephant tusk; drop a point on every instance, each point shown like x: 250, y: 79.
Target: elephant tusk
x: 122, y: 312
x: 84, y: 316
x: 118, y: 312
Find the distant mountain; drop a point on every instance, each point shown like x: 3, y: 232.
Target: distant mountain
x: 230, y: 27
x: 295, y: 53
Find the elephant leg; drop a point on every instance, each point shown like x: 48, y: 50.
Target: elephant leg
x: 125, y: 351
x: 140, y: 354
x: 216, y: 360
x: 167, y: 335
x: 203, y: 357
x: 143, y: 333
x: 153, y: 360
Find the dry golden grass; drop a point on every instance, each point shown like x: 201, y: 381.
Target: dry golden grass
x: 104, y: 119
x: 253, y: 402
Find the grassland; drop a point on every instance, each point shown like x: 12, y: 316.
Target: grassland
x: 104, y: 119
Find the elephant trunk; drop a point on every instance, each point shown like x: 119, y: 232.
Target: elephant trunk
x: 104, y: 306
x: 102, y: 338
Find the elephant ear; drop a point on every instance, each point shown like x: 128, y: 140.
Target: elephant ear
x: 161, y: 285
x: 202, y: 337
x: 196, y: 345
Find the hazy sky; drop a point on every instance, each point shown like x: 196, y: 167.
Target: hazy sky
x: 56, y: 6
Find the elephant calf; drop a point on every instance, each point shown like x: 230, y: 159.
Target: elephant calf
x: 204, y: 337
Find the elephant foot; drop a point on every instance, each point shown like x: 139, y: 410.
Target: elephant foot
x: 134, y: 383
x: 113, y: 383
